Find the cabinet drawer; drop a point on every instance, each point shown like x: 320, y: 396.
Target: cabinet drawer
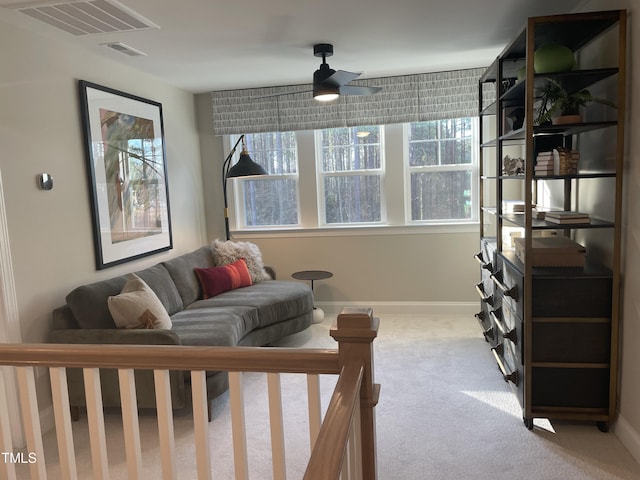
x: 570, y: 387
x: 511, y: 371
x: 571, y: 296
x: 557, y: 341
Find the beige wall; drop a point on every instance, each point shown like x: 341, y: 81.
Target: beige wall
x: 41, y: 131
x: 402, y: 268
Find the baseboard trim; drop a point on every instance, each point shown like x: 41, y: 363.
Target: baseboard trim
x: 404, y: 308
x: 628, y: 435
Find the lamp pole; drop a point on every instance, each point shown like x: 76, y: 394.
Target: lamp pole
x: 225, y: 170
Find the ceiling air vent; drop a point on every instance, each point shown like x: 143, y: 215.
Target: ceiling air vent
x: 86, y: 17
x: 124, y: 48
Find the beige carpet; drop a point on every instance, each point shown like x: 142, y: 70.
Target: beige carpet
x: 444, y: 413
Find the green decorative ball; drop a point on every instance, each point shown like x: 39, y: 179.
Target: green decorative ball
x: 553, y: 58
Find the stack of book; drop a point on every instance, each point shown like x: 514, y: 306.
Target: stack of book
x: 567, y: 217
x: 559, y: 161
x: 512, y: 206
x: 555, y: 251
x: 544, y: 164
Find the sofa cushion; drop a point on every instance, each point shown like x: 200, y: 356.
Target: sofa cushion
x: 184, y: 278
x: 137, y: 306
x: 217, y: 326
x: 88, y: 303
x: 216, y: 280
x: 275, y: 300
x: 158, y: 278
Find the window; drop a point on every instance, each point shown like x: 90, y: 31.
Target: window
x: 270, y: 200
x: 428, y: 176
x: 350, y: 167
x: 440, y: 168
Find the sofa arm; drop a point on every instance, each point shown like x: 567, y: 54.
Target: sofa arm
x: 114, y: 336
x: 144, y: 379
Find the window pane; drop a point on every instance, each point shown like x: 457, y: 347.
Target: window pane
x: 352, y: 199
x: 270, y: 202
x: 423, y: 131
x: 455, y: 152
x: 422, y: 154
x: 276, y: 152
x: 441, y: 195
x: 351, y: 148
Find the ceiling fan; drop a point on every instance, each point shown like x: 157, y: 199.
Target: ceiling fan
x: 329, y: 84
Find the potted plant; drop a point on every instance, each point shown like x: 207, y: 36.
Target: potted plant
x: 558, y: 106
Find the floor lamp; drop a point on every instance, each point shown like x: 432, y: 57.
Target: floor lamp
x: 245, y: 167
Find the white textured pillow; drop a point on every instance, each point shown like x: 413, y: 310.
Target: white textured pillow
x: 138, y: 306
x: 228, y: 252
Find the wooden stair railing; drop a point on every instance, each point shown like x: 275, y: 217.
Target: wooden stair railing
x: 343, y: 446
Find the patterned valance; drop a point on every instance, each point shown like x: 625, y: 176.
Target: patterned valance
x: 406, y: 98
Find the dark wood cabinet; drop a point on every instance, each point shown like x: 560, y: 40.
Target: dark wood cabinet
x: 553, y: 331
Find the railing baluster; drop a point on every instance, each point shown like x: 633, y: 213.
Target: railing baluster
x: 315, y: 413
x: 236, y: 397
x: 7, y: 469
x: 95, y: 416
x: 130, y: 422
x: 62, y: 414
x: 31, y: 420
x: 165, y: 424
x: 277, y: 427
x: 201, y: 423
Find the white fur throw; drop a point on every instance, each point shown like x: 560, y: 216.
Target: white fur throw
x: 228, y: 252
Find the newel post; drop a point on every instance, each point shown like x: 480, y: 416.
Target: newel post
x: 355, y: 330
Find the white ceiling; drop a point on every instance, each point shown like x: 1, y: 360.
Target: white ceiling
x: 205, y: 45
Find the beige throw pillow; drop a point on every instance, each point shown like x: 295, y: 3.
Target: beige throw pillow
x: 138, y: 306
x: 226, y: 252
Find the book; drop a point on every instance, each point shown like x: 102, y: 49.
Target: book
x: 567, y: 220
x: 566, y: 214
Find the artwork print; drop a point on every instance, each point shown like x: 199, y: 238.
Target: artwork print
x: 127, y: 174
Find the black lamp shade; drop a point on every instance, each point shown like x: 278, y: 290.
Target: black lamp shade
x: 245, y: 167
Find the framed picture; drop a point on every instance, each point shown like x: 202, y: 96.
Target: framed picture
x: 127, y: 172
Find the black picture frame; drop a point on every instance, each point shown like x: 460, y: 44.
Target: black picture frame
x: 127, y: 174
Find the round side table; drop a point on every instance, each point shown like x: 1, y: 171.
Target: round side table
x: 313, y: 275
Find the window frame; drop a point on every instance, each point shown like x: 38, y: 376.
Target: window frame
x: 471, y: 167
x: 237, y: 205
x: 321, y: 176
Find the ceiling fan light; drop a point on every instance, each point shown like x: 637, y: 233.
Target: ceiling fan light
x: 326, y: 97
x: 325, y: 93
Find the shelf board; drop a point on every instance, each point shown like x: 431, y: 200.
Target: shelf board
x: 573, y: 81
x: 519, y: 220
x: 559, y: 29
x: 572, y: 128
x: 574, y: 176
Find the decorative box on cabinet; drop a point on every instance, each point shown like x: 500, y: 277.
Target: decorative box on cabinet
x: 554, y: 331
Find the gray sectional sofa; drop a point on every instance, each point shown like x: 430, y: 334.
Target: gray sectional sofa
x: 256, y: 315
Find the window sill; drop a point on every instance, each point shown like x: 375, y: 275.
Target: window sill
x: 354, y: 231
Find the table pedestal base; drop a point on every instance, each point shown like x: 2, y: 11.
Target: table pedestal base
x: 318, y: 315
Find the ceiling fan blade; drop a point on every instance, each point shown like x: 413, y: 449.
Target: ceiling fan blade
x: 358, y: 90
x: 340, y: 78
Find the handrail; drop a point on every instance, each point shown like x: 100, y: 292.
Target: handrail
x: 326, y: 460
x: 172, y: 357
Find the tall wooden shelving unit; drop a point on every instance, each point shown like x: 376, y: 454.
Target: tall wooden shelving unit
x: 554, y: 331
